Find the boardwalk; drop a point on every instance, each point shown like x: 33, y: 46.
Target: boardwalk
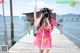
x: 61, y: 44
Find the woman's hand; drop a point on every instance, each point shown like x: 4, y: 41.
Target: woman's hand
x: 47, y: 20
x: 41, y: 16
x: 49, y: 24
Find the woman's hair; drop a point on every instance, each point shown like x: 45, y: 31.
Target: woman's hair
x: 43, y: 10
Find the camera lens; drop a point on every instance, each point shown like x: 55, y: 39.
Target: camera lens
x: 46, y: 14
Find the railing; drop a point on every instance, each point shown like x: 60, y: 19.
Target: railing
x: 20, y: 34
x: 68, y: 26
x: 17, y: 37
x: 25, y: 32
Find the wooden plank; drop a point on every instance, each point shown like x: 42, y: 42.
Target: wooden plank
x: 61, y: 44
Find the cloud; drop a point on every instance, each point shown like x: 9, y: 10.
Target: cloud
x: 77, y: 0
x: 40, y: 4
x: 25, y: 7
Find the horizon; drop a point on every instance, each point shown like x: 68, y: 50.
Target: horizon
x: 56, y: 14
x: 20, y: 6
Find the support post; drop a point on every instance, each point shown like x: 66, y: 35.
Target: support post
x: 29, y: 27
x: 61, y: 28
x: 11, y: 24
x: 35, y: 10
x: 61, y: 20
x: 5, y: 28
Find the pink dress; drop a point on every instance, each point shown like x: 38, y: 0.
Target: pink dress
x: 43, y: 38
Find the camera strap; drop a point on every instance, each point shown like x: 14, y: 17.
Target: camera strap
x: 43, y: 23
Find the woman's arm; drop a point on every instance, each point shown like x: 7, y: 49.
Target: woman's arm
x: 37, y: 22
x: 49, y: 24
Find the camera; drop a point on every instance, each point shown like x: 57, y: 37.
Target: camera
x: 45, y: 12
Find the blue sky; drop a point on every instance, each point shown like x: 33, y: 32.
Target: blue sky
x: 24, y: 6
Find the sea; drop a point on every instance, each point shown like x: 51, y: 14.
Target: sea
x: 71, y: 29
x: 21, y: 28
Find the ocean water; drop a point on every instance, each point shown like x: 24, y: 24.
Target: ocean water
x: 20, y: 28
x: 71, y: 29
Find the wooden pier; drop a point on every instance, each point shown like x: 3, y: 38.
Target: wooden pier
x: 61, y: 44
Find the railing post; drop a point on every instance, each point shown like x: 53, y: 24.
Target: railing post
x: 12, y: 24
x: 61, y: 28
x: 29, y: 27
x: 5, y: 27
x: 61, y: 20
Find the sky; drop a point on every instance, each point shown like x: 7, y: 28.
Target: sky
x: 25, y: 6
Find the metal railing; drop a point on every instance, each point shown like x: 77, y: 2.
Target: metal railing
x: 20, y: 34
x: 68, y: 34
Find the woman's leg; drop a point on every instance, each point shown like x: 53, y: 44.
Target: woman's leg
x: 41, y: 50
x: 46, y: 51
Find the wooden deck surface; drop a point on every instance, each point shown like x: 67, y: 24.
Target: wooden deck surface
x: 61, y: 44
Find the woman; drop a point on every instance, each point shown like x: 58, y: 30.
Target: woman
x: 45, y: 24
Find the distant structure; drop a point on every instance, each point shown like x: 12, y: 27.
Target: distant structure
x: 30, y: 16
x: 77, y: 19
